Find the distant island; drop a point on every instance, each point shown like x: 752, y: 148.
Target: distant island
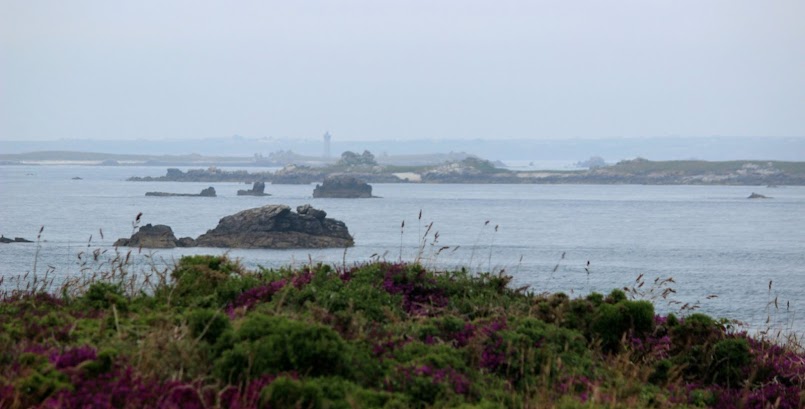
x: 476, y: 170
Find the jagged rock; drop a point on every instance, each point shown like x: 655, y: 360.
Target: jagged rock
x: 275, y: 226
x: 258, y: 189
x: 757, y: 196
x: 186, y: 242
x: 308, y: 209
x: 208, y: 192
x: 343, y: 186
x: 149, y: 236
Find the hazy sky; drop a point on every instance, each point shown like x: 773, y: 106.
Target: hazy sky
x: 408, y: 69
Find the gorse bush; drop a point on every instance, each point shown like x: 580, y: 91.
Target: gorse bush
x: 380, y: 335
x: 268, y: 345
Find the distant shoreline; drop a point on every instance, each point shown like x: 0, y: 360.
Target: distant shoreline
x: 473, y: 170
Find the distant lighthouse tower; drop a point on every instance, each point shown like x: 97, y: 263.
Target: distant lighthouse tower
x: 327, y: 138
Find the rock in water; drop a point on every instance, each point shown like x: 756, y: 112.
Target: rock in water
x: 208, y: 192
x: 275, y: 226
x: 258, y: 189
x: 159, y: 237
x: 757, y: 196
x: 4, y: 239
x: 343, y: 186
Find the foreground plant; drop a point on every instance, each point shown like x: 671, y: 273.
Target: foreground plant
x: 379, y: 335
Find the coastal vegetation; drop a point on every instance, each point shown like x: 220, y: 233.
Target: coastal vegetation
x: 209, y: 333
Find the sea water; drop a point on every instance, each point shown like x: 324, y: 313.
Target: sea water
x: 730, y: 256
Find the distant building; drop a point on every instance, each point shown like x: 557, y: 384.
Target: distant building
x: 327, y: 138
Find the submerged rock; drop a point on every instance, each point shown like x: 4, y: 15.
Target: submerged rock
x: 208, y: 192
x: 258, y: 189
x: 4, y: 239
x: 157, y: 236
x: 757, y: 196
x: 343, y: 186
x: 276, y: 226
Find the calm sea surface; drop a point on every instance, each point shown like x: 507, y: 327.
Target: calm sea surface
x: 710, y: 239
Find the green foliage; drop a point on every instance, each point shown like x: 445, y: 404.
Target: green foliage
x: 671, y: 320
x: 326, y: 392
x: 102, y: 364
x: 103, y: 296
x: 269, y: 345
x: 438, y: 356
x: 537, y: 352
x: 379, y: 335
x: 730, y: 356
x: 702, y: 397
x: 285, y: 392
x: 203, y: 281
x: 695, y: 329
x: 349, y: 158
x: 40, y: 385
x: 616, y: 296
x: 207, y: 324
x: 660, y: 374
x: 613, y: 321
x: 596, y: 298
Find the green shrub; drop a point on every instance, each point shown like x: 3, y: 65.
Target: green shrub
x: 695, y: 329
x: 595, y: 298
x: 671, y: 320
x: 616, y: 296
x: 536, y: 351
x: 197, y: 281
x: 660, y: 374
x: 730, y: 356
x: 613, y: 321
x: 102, y: 364
x: 40, y: 385
x: 102, y: 295
x: 579, y: 315
x: 269, y: 345
x: 285, y: 392
x: 207, y: 324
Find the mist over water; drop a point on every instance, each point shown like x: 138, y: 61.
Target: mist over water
x: 710, y: 239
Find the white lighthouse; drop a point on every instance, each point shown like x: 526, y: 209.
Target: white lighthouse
x: 327, y: 138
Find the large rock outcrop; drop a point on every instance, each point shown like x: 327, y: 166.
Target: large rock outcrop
x: 276, y: 226
x: 343, y: 187
x: 258, y: 189
x: 157, y: 236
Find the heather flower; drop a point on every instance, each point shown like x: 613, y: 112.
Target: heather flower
x: 420, y: 293
x: 494, y: 352
x: 249, y: 298
x: 445, y: 376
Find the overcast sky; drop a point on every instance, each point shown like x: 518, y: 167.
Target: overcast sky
x: 408, y: 69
